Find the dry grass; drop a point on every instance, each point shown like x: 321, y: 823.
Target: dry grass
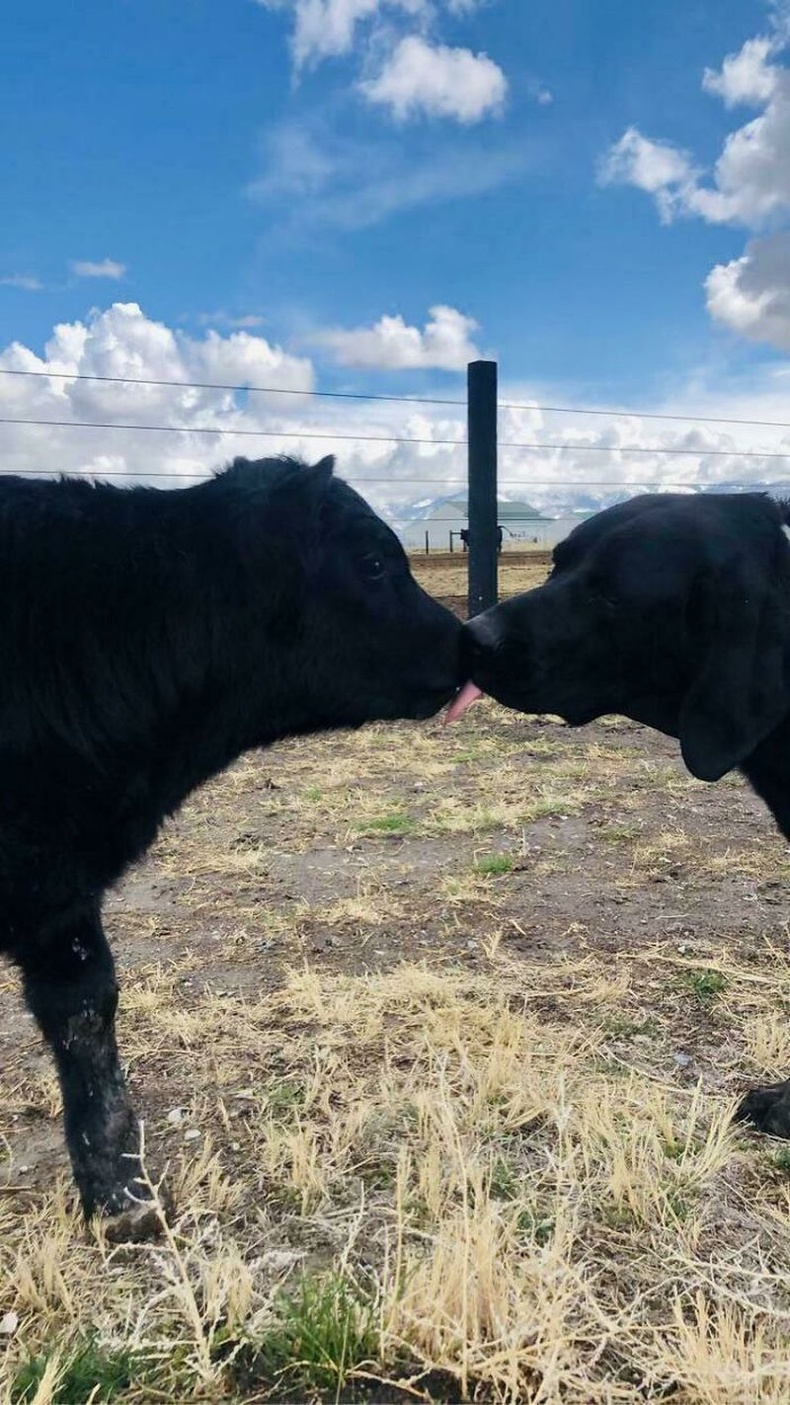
x: 529, y: 1218
x: 444, y: 1103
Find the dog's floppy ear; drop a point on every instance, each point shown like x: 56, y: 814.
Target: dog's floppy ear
x: 740, y: 692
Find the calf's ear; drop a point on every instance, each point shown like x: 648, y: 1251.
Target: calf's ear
x: 306, y: 484
x: 740, y: 692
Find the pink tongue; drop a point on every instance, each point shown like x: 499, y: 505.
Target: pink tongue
x: 462, y: 700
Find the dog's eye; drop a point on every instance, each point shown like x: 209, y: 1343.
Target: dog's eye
x: 372, y: 567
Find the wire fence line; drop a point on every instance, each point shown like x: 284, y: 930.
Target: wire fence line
x: 560, y: 449
x: 456, y: 483
x: 532, y: 446
x: 245, y: 433
x: 243, y: 388
x: 239, y: 389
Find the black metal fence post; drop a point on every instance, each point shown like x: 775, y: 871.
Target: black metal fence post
x: 482, y: 444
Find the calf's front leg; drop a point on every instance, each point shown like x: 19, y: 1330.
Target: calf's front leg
x: 70, y: 986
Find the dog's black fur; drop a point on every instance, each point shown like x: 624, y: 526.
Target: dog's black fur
x: 148, y: 638
x: 675, y: 611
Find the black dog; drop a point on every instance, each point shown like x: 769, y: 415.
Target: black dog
x: 674, y: 611
x: 147, y: 638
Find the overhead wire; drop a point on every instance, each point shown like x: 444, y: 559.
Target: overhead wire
x: 242, y: 388
x: 530, y: 446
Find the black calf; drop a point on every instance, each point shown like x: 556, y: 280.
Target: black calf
x: 147, y: 638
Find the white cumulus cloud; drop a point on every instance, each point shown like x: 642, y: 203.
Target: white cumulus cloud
x: 423, y: 79
x: 751, y: 295
x: 391, y: 344
x: 327, y: 28
x: 745, y: 77
x: 749, y: 185
x: 121, y: 342
x: 750, y: 181
x: 656, y: 167
x: 415, y: 76
x: 584, y: 460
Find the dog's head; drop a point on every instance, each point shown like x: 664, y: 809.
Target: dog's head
x: 671, y: 609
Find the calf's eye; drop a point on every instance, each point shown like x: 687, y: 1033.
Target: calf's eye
x: 372, y: 567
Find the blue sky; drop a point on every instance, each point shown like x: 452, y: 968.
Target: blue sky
x: 295, y: 170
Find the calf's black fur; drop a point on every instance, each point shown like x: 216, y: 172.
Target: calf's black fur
x: 148, y: 638
x: 675, y: 611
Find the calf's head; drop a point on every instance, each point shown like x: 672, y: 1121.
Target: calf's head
x: 348, y: 636
x: 669, y: 609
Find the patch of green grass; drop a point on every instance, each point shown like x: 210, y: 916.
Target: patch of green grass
x: 379, y: 1175
x: 493, y: 865
x: 673, y: 1149
x: 503, y: 1180
x: 782, y: 1159
x: 680, y: 1204
x: 322, y: 1333
x: 282, y: 1097
x: 705, y: 985
x: 91, y: 1373
x: 469, y: 754
x: 620, y: 833
x: 313, y: 792
x: 535, y: 1226
x: 394, y: 823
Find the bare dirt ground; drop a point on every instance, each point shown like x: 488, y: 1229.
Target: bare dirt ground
x: 438, y: 1032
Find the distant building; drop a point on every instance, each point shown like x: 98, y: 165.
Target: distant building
x: 522, y: 525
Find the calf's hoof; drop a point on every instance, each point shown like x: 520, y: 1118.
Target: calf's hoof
x: 767, y: 1109
x: 131, y: 1216
x: 134, y: 1225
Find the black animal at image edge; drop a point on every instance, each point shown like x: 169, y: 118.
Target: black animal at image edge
x: 147, y: 639
x: 674, y: 611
